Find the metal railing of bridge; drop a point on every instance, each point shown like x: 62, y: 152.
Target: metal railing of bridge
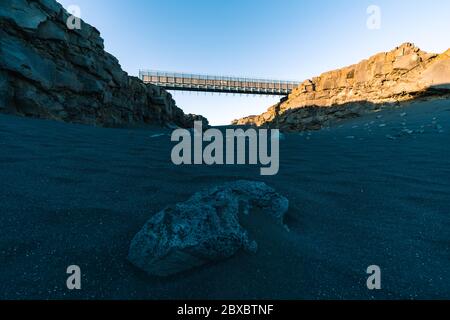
x: 206, y: 83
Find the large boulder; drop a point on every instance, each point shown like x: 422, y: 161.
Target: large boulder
x: 203, y: 229
x: 50, y: 71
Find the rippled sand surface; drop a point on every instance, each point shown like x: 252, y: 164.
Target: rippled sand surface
x: 373, y: 190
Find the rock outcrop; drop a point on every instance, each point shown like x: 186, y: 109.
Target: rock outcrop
x: 204, y: 229
x: 48, y: 70
x: 400, y: 75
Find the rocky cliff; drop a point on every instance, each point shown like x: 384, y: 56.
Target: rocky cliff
x: 391, y: 77
x: 48, y: 70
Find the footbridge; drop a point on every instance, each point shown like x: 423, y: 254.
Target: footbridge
x: 221, y: 84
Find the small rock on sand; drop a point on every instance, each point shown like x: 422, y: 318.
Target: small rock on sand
x: 157, y: 135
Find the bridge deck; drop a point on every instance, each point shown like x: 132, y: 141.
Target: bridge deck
x: 193, y: 82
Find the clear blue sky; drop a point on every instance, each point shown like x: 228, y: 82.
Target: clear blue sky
x: 281, y: 39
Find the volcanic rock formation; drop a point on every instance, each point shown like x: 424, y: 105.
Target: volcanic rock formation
x: 49, y: 71
x: 387, y: 78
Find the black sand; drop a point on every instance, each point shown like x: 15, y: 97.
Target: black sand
x: 359, y: 195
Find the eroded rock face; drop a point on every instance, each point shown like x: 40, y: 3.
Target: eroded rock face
x: 203, y: 229
x: 50, y: 71
x: 386, y: 78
